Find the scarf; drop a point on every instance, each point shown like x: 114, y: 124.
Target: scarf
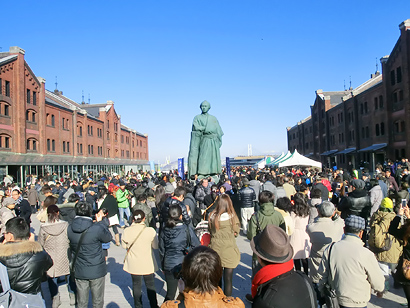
x: 20, y: 198
x: 268, y: 272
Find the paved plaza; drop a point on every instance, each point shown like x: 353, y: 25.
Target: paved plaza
x: 118, y: 292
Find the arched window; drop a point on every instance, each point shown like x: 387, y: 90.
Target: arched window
x: 5, y: 141
x: 32, y: 144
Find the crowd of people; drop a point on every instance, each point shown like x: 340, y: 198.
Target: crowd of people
x: 316, y: 236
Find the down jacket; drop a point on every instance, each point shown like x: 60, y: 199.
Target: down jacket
x: 26, y: 262
x: 90, y: 263
x: 246, y: 196
x: 172, y: 245
x: 165, y: 208
x: 357, y: 203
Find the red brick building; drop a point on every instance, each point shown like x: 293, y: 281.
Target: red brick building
x: 43, y: 131
x: 362, y: 126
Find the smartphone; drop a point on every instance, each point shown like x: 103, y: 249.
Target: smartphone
x: 403, y: 203
x: 346, y: 189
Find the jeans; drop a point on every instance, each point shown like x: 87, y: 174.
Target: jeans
x: 122, y: 211
x: 97, y: 292
x: 53, y: 285
x: 151, y: 292
x: 172, y: 285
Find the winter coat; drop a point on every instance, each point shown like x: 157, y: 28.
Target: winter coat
x: 289, y: 189
x: 313, y: 213
x: 32, y: 196
x: 398, y: 233
x: 140, y: 259
x: 267, y: 215
x: 299, y: 238
x: 223, y: 240
x: 281, y: 292
x: 379, y: 227
x: 5, y: 215
x: 214, y: 300
x: 90, y: 263
x: 110, y: 203
x: 290, y: 224
x: 281, y: 192
x: 268, y: 185
x: 26, y: 262
x: 53, y: 237
x: 356, y: 203
x: 67, y: 211
x: 173, y: 243
x: 24, y: 210
x: 256, y: 186
x: 246, y: 196
x: 322, y: 232
x: 122, y: 198
x: 323, y: 189
x: 200, y: 194
x: 147, y: 211
x: 376, y: 197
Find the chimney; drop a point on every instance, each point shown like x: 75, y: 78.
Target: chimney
x: 16, y: 49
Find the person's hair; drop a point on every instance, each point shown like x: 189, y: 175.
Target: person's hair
x: 179, y: 191
x: 326, y: 209
x: 83, y: 208
x: 202, y: 270
x: 53, y: 216
x: 142, y: 197
x: 404, y: 185
x: 301, y: 208
x: 266, y: 197
x: 45, y: 189
x: 138, y: 213
x: 223, y: 187
x: 223, y: 205
x: 174, y: 213
x: 19, y: 228
x: 315, y: 193
x: 284, y: 204
x: 279, y: 181
x: 149, y: 192
x: 102, y: 191
x: 50, y: 200
x: 160, y: 196
x: 353, y: 230
x: 73, y: 198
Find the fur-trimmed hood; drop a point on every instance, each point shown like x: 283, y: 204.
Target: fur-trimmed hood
x: 21, y: 247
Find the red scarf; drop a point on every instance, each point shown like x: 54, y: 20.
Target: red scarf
x: 268, y: 272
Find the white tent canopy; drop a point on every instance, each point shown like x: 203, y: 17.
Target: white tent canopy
x: 263, y: 162
x: 299, y: 160
x: 280, y: 158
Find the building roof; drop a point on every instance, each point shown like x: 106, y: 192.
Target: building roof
x: 6, y: 59
x: 365, y: 86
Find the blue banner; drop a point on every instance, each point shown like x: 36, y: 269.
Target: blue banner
x: 151, y: 165
x: 228, y: 168
x: 181, y: 170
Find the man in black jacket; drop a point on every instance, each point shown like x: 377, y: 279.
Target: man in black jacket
x: 90, y: 266
x: 246, y: 197
x: 276, y: 283
x: 26, y: 261
x: 177, y: 198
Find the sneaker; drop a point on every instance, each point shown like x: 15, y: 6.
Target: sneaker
x: 249, y: 298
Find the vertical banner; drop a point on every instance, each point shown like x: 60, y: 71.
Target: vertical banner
x: 181, y: 170
x: 151, y: 165
x: 228, y: 168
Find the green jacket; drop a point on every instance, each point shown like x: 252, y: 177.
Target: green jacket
x: 267, y: 215
x: 122, y: 198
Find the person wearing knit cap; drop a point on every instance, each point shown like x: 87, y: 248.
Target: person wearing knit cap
x: 275, y: 284
x: 356, y: 266
x: 386, y: 248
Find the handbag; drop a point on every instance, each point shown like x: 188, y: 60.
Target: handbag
x: 129, y: 248
x: 406, y: 268
x: 330, y: 294
x: 13, y: 299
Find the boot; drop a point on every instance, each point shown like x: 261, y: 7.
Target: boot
x: 117, y: 239
x: 72, y: 299
x: 56, y: 301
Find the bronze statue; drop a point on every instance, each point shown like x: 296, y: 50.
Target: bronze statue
x: 204, y: 158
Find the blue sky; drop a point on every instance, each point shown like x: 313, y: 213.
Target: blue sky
x: 258, y: 63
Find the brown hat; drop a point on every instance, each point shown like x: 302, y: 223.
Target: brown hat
x: 272, y: 245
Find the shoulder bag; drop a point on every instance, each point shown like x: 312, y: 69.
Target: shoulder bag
x: 330, y: 294
x: 133, y: 242
x: 13, y: 299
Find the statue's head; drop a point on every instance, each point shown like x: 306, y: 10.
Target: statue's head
x: 205, y: 106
